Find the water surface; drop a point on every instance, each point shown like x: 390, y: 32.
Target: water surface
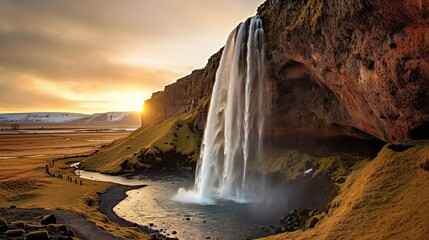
x: 153, y: 206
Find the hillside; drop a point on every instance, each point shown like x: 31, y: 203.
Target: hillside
x: 172, y: 124
x: 386, y: 199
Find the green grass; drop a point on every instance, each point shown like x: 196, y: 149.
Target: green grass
x: 125, y: 155
x: 293, y: 163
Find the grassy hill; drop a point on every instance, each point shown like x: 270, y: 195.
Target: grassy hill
x: 158, y: 146
x: 385, y: 199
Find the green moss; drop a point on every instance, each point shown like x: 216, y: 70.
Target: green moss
x: 293, y: 163
x: 306, y: 15
x: 336, y: 166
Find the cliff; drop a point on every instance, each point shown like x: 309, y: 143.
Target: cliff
x: 356, y: 68
x: 190, y: 94
x: 334, y: 68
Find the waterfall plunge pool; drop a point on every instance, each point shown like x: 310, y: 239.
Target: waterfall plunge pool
x: 154, y: 205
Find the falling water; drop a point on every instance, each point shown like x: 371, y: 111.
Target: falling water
x: 233, y: 134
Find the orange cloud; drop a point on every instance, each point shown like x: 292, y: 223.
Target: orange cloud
x: 91, y: 56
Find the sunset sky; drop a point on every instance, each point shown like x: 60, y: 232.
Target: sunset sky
x: 97, y: 56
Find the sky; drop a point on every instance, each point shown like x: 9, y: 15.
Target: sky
x: 105, y: 55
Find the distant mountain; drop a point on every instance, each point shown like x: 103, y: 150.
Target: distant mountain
x: 125, y: 118
x: 110, y: 117
x: 45, y: 117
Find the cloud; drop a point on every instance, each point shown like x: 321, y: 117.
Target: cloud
x: 19, y: 94
x: 61, y: 55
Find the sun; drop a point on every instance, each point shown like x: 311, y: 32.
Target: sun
x: 127, y: 102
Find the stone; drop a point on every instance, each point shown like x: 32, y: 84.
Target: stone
x: 3, y: 224
x: 48, y: 219
x: 15, y: 233
x: 37, y: 235
x: 311, y: 222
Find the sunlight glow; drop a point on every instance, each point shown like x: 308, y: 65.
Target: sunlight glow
x: 117, y: 100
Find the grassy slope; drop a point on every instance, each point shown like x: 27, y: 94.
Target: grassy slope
x: 161, y: 136
x: 24, y: 183
x: 385, y: 199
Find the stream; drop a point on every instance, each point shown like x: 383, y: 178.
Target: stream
x: 153, y: 206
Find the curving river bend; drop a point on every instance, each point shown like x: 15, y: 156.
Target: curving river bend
x: 153, y: 206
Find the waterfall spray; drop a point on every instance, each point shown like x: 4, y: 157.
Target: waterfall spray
x: 234, y: 129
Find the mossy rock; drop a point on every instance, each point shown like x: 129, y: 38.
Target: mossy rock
x: 3, y: 224
x: 19, y: 224
x: 15, y: 233
x: 37, y: 235
x: 48, y: 219
x: 311, y: 222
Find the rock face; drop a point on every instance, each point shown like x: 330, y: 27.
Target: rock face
x: 190, y: 94
x: 335, y: 68
x: 357, y: 68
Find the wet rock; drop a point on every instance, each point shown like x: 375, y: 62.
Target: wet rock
x: 311, y: 222
x: 15, y: 233
x: 3, y: 224
x: 37, y: 235
x: 18, y: 224
x: 48, y: 219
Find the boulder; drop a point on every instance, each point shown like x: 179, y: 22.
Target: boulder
x: 48, y: 219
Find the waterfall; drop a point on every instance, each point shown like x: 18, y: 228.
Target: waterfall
x: 234, y: 128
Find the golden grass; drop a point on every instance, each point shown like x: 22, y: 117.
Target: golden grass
x: 161, y: 136
x: 385, y: 199
x: 24, y: 183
